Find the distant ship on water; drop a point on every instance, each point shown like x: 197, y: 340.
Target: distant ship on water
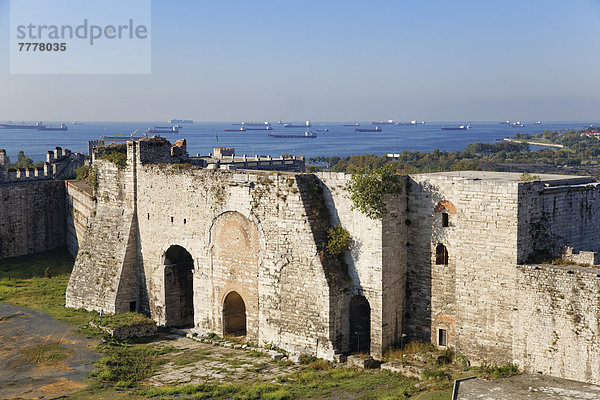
x: 259, y: 128
x: 376, y: 129
x: 164, y: 129
x: 62, y: 127
x: 181, y: 121
x: 38, y: 126
x: 410, y: 123
x: 307, y: 135
x: 251, y: 123
x: 356, y: 124
x: 456, y: 128
x: 306, y: 125
x: 388, y: 122
x: 242, y: 129
x: 78, y: 123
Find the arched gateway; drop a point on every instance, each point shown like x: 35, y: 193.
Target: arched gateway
x: 234, y: 315
x: 179, y: 289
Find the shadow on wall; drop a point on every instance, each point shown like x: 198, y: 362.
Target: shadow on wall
x: 426, y: 232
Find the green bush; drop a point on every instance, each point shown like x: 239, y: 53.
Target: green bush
x: 82, y: 172
x: 367, y: 190
x: 338, y: 241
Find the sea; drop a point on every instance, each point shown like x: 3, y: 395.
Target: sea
x: 338, y: 140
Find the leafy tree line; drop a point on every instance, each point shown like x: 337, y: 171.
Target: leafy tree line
x: 23, y: 162
x: 579, y: 150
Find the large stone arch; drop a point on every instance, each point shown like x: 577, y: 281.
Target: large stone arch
x: 179, y: 287
x: 235, y: 246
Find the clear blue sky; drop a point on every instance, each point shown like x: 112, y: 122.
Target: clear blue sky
x: 338, y: 60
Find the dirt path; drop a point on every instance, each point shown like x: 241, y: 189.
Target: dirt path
x: 39, y: 356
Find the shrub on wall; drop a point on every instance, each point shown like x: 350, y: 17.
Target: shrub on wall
x: 367, y: 190
x: 338, y: 241
x: 87, y: 174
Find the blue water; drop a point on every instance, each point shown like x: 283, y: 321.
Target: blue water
x: 340, y: 141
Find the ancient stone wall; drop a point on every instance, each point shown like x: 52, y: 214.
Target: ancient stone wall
x: 104, y: 277
x: 216, y: 216
x: 556, y: 321
x: 558, y: 214
x: 376, y: 262
x: 465, y: 287
x: 32, y: 217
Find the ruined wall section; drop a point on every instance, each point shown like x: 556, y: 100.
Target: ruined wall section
x: 376, y: 262
x: 184, y: 203
x: 97, y: 281
x: 556, y: 321
x: 556, y: 215
x: 32, y: 217
x: 471, y: 297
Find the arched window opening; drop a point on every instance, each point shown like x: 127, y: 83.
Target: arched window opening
x: 234, y: 315
x: 179, y: 289
x: 360, y: 325
x: 441, y: 255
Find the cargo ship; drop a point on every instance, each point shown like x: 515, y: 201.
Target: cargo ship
x: 181, y: 121
x: 266, y: 123
x: 23, y: 125
x: 62, y: 127
x: 260, y: 128
x: 376, y: 129
x: 306, y: 125
x: 456, y: 128
x: 307, y: 135
x: 388, y: 122
x: 353, y: 125
x: 242, y: 129
x: 163, y: 129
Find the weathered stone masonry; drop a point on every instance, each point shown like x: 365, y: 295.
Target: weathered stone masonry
x: 457, y: 260
x: 254, y: 236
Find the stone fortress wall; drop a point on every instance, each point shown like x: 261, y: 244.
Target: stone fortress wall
x: 457, y: 261
x: 33, y: 208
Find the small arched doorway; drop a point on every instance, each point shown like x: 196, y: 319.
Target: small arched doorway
x: 360, y: 325
x: 179, y: 288
x: 234, y: 315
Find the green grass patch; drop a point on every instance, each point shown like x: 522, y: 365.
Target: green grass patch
x: 125, y: 365
x: 191, y: 357
x: 48, y: 354
x: 122, y: 320
x: 488, y: 371
x: 24, y: 283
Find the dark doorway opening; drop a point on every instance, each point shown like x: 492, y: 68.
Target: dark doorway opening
x: 360, y: 325
x: 179, y: 289
x: 234, y: 315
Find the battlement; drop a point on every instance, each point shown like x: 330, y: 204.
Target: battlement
x: 60, y: 164
x: 225, y: 158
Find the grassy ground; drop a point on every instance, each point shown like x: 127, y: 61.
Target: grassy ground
x: 39, y: 282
